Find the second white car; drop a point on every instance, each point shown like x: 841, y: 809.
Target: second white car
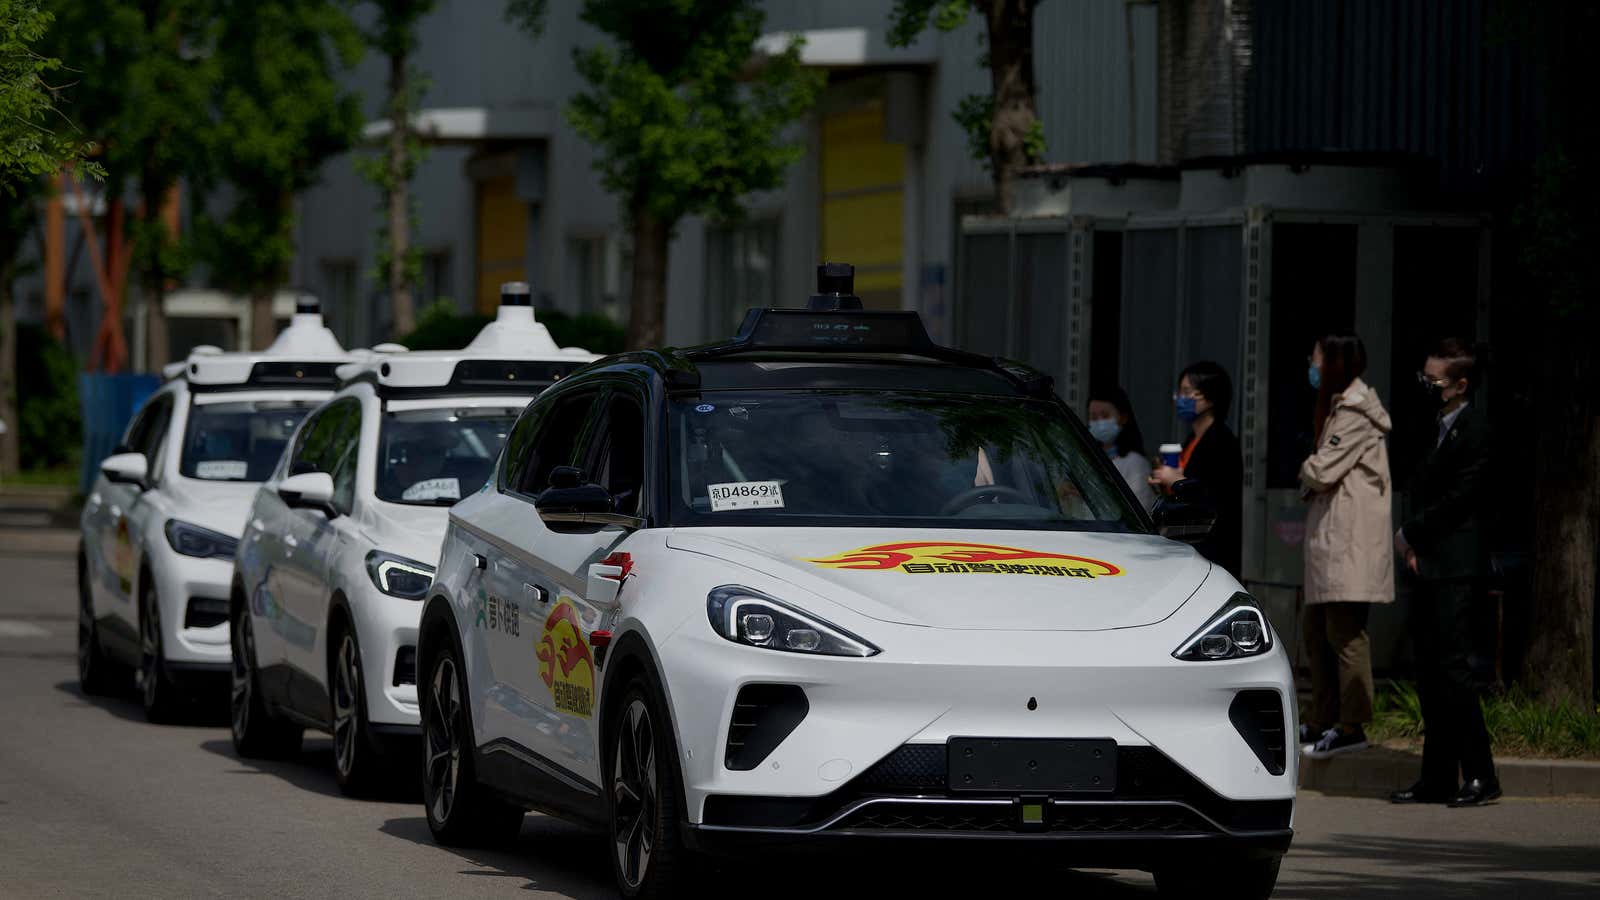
x: 341, y: 542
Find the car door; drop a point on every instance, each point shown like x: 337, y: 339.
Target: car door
x: 130, y: 511
x: 309, y: 540
x: 509, y: 614
x: 558, y: 561
x: 109, y: 550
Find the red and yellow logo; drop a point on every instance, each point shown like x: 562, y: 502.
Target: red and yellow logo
x: 940, y: 558
x: 565, y: 665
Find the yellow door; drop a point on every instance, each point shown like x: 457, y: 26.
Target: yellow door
x: 863, y: 188
x: 502, y: 239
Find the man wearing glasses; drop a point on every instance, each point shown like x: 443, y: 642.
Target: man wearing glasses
x: 1442, y: 545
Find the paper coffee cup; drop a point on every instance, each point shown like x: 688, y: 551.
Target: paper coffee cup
x: 1170, y: 454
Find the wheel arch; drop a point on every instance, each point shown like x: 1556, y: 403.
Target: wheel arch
x: 630, y: 655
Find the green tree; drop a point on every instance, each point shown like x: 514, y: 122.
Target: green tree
x: 1003, y: 127
x: 142, y: 75
x: 36, y: 139
x: 1557, y: 233
x: 280, y: 113
x: 678, y: 132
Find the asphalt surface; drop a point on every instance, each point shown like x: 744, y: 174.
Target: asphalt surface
x: 94, y: 801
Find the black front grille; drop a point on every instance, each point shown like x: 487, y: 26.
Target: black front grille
x: 763, y: 715
x: 405, y: 666
x: 1258, y: 716
x: 204, y: 612
x: 931, y: 817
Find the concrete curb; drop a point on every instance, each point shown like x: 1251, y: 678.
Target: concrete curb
x: 1377, y: 771
x: 38, y: 542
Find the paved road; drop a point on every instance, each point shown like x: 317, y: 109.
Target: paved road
x: 96, y: 802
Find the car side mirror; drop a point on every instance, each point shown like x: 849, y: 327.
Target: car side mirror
x: 309, y: 490
x: 126, y: 468
x: 569, y: 503
x: 1186, y: 515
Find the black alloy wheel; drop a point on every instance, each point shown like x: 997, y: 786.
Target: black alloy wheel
x: 648, y: 858
x: 256, y: 731
x: 157, y: 690
x: 461, y: 812
x: 355, y: 759
x: 97, y: 674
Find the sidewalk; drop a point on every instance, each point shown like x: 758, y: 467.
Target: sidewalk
x: 37, y: 520
x: 1377, y: 771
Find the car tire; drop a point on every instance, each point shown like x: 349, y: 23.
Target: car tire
x: 160, y: 695
x: 1249, y: 878
x: 642, y: 785
x: 461, y: 812
x: 257, y: 733
x: 97, y: 672
x: 357, y: 765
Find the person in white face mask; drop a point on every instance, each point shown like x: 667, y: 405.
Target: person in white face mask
x: 1111, y: 422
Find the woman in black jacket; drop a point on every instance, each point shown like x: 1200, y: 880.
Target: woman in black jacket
x: 1212, y: 457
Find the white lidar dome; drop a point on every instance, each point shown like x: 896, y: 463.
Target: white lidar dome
x: 306, y: 337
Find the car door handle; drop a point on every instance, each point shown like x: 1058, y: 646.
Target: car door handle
x: 479, y: 561
x: 290, y: 540
x: 534, y: 593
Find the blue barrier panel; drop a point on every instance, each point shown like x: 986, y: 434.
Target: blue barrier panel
x: 109, y: 402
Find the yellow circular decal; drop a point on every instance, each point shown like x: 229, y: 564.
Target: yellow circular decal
x: 565, y: 664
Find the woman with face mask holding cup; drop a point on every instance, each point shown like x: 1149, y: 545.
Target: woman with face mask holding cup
x: 1111, y: 422
x: 1211, y: 456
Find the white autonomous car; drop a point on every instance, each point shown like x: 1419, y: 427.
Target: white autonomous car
x: 340, y: 544
x: 829, y: 582
x: 165, y: 514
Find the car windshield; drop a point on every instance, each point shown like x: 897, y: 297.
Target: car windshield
x: 929, y: 460
x: 436, y: 456
x: 239, y: 440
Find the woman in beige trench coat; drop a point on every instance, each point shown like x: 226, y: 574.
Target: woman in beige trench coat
x: 1349, y: 560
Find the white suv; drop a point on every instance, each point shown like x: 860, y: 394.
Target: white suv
x: 342, y: 540
x: 163, y: 518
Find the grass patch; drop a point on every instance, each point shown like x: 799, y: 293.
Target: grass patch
x: 1518, y: 725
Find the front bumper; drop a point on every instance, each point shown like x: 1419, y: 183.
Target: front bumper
x: 184, y: 584
x: 1120, y: 685
x: 386, y: 628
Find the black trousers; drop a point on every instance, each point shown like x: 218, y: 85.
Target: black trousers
x: 1452, y: 626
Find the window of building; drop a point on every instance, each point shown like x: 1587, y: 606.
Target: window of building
x: 435, y: 281
x: 741, y: 272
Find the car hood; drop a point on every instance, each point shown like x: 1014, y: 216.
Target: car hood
x: 414, y: 532
x: 222, y: 506
x: 983, y: 580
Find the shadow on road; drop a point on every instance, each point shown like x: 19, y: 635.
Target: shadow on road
x: 1426, y: 869
x: 551, y: 855
x: 203, y: 713
x: 312, y: 770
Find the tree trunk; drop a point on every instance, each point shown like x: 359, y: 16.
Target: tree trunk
x: 262, y: 327
x: 10, y: 442
x: 154, y: 190
x: 399, y: 198
x: 1567, y: 518
x: 1014, y: 91
x: 647, y: 305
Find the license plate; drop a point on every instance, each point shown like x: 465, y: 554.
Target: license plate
x: 1032, y: 765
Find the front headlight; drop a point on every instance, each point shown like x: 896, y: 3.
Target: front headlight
x: 203, y: 543
x: 398, y: 576
x: 1238, y: 630
x: 749, y: 617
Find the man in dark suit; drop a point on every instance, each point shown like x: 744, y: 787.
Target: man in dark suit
x: 1443, y: 547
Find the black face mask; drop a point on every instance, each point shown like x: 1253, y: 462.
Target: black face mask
x: 1434, y: 393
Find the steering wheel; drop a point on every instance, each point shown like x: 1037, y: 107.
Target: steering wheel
x: 975, y: 495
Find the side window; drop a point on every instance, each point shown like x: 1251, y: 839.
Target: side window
x: 619, y: 463
x: 556, y: 440
x: 515, y: 457
x: 154, y: 436
x: 343, y: 451
x: 313, y: 451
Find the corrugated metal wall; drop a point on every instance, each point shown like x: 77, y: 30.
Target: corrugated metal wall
x: 1433, y: 78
